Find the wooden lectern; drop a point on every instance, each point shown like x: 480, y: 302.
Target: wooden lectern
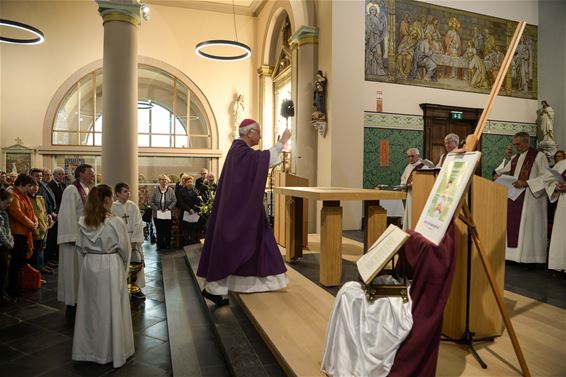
x: 489, y: 209
x: 282, y: 179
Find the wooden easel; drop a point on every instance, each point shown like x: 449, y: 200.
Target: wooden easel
x: 466, y: 216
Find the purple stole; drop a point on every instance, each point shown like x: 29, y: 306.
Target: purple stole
x: 81, y: 190
x: 515, y: 208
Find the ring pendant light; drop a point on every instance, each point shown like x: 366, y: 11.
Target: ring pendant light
x: 18, y: 25
x: 247, y: 51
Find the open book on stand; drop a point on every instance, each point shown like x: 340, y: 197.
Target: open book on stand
x: 381, y: 252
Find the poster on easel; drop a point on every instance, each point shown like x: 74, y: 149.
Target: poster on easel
x: 444, y: 199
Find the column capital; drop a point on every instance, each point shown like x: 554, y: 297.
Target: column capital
x: 264, y: 70
x: 304, y: 35
x: 123, y: 11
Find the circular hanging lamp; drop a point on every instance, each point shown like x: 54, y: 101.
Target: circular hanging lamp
x: 247, y: 51
x: 223, y: 42
x: 18, y: 25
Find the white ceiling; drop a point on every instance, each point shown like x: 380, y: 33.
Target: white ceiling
x: 243, y: 7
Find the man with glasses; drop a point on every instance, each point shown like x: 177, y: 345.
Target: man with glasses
x: 240, y: 253
x: 415, y: 162
x: 526, y: 215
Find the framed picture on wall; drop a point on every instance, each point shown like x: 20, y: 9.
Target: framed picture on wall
x: 17, y: 158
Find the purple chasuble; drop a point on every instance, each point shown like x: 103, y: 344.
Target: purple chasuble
x: 239, y: 240
x: 515, y: 207
x: 432, y: 269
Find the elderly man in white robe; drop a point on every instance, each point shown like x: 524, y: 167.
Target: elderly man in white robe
x: 72, y: 207
x: 415, y: 162
x: 129, y: 212
x: 451, y: 142
x: 526, y: 216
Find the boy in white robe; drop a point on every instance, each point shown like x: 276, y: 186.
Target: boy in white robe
x: 556, y: 191
x: 103, y: 325
x: 129, y: 212
x: 72, y: 206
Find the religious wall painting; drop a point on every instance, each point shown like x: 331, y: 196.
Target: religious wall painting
x: 18, y: 158
x: 415, y: 43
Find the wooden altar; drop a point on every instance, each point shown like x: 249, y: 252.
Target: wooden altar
x: 375, y: 222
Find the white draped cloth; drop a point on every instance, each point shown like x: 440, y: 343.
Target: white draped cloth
x: 130, y: 214
x: 557, y: 251
x: 363, y: 337
x: 103, y: 324
x: 67, y: 232
x: 531, y: 247
x: 408, y: 217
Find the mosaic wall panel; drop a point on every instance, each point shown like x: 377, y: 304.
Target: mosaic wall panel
x: 414, y: 43
x: 406, y: 131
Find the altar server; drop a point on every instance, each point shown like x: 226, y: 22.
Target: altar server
x: 103, y: 326
x: 129, y: 212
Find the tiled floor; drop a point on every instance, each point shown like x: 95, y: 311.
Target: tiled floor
x: 36, y: 338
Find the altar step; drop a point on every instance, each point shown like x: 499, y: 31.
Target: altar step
x: 292, y: 322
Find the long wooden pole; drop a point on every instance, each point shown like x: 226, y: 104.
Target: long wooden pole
x: 473, y: 140
x: 498, y: 297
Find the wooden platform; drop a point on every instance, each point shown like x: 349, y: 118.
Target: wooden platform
x: 293, y: 323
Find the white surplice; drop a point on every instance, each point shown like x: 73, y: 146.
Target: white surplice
x: 557, y: 251
x: 531, y: 247
x: 408, y: 216
x: 363, y: 337
x: 67, y: 232
x: 103, y: 325
x: 130, y: 214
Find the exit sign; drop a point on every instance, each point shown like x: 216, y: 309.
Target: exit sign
x: 458, y: 115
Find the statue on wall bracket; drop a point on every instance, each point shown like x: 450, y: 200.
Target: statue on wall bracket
x: 318, y: 118
x: 545, y: 131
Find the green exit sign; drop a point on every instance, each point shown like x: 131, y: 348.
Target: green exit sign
x: 458, y: 115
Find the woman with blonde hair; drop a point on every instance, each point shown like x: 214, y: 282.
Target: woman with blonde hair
x: 103, y: 325
x: 162, y: 202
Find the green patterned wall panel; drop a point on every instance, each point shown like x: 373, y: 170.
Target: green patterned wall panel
x: 399, y: 142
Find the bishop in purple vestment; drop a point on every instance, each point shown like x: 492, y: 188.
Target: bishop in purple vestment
x: 240, y: 253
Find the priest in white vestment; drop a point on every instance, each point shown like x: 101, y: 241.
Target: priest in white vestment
x: 451, y: 142
x: 415, y: 161
x: 556, y: 191
x: 103, y: 325
x: 72, y: 206
x: 526, y: 224
x: 129, y: 212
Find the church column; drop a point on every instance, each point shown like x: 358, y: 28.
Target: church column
x: 266, y: 102
x: 304, y: 43
x: 120, y: 93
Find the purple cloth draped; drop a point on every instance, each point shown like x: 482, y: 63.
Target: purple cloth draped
x: 239, y: 240
x: 432, y: 270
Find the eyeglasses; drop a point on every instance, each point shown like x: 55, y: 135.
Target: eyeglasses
x: 411, y: 155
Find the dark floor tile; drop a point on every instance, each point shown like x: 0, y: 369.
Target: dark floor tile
x: 274, y: 370
x: 158, y: 311
x: 141, y: 321
x: 88, y: 369
x: 215, y: 371
x: 159, y: 356
x: 38, y: 340
x: 138, y: 369
x: 6, y: 321
x: 61, y: 372
x: 56, y: 322
x: 159, y: 331
x: 209, y: 354
x: 30, y: 312
x: 144, y: 343
x: 21, y: 329
x: 8, y: 354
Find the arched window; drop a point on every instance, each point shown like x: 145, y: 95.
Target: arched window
x: 176, y: 127
x: 170, y: 115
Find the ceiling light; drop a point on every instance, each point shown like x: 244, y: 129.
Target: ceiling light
x: 18, y: 25
x: 247, y: 51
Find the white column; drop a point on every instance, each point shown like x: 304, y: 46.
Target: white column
x: 120, y: 93
x: 305, y: 46
x: 266, y: 105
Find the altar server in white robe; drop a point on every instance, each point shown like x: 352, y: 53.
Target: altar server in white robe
x: 72, y: 206
x: 129, y: 212
x: 526, y: 222
x: 415, y: 162
x: 363, y: 337
x: 556, y: 191
x: 103, y: 325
